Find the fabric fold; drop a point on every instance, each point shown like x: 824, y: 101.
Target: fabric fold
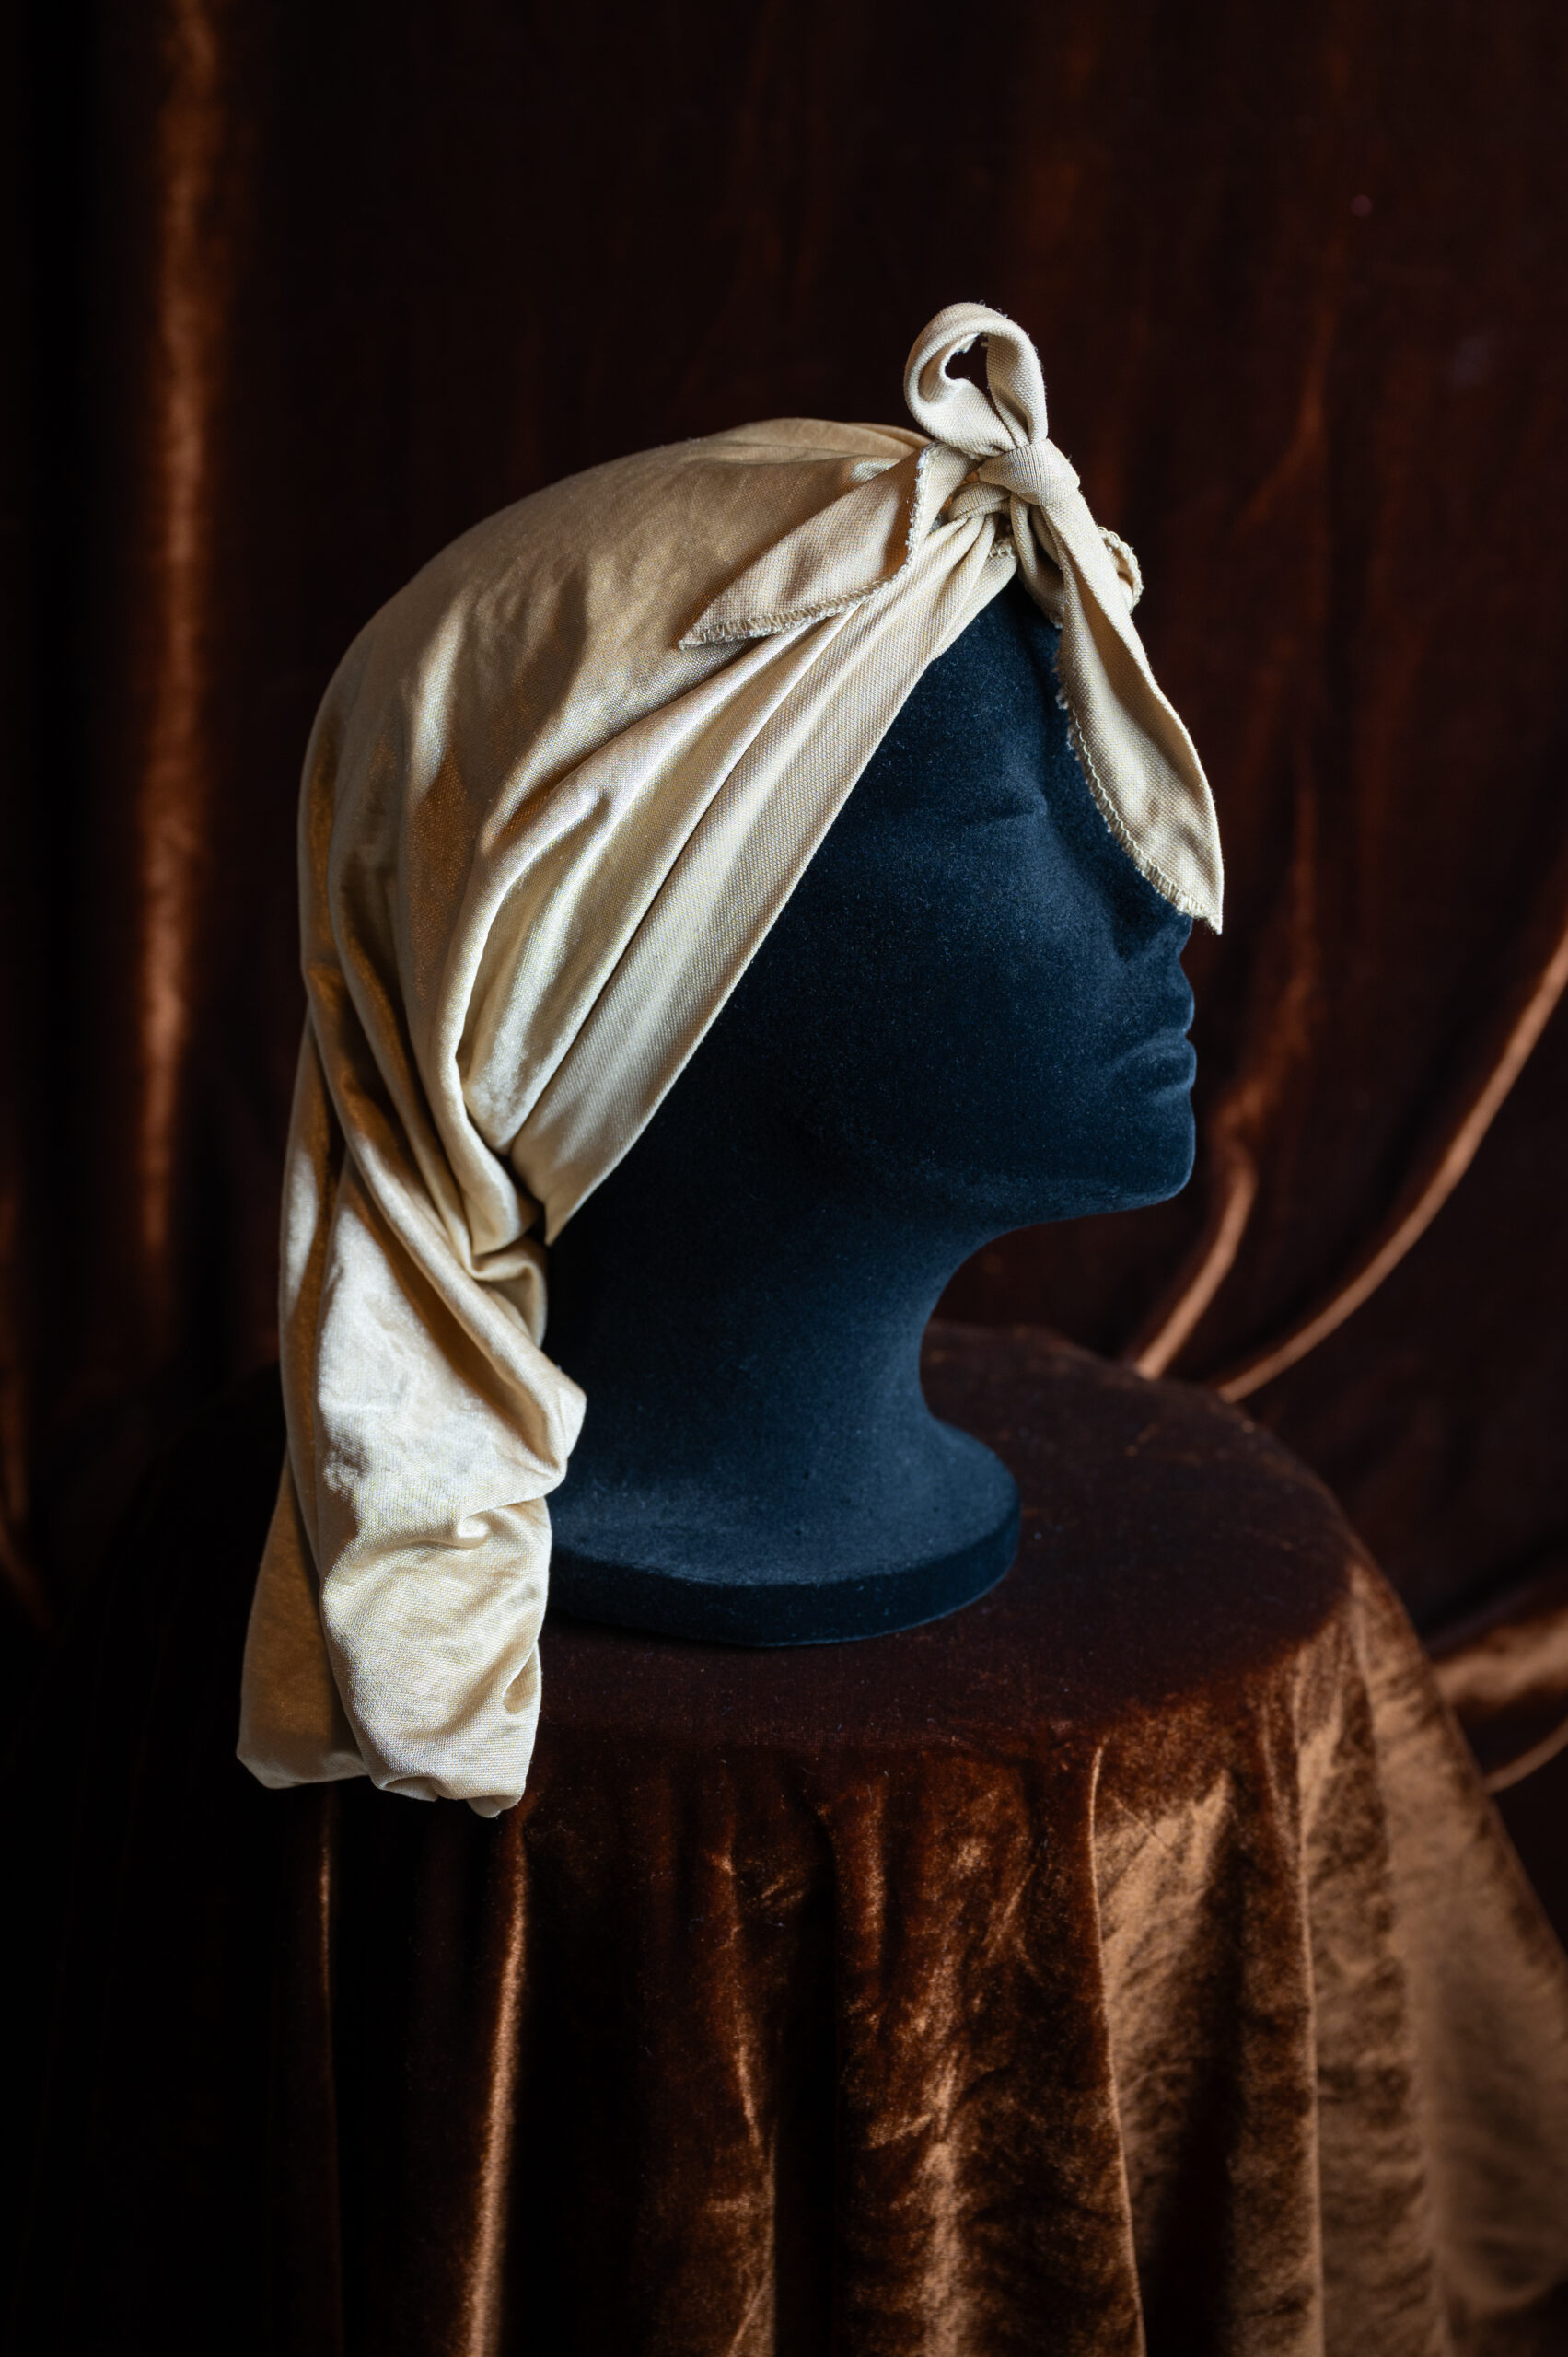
x: 547, y: 820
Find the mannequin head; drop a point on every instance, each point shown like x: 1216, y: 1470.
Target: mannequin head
x: 970, y: 1016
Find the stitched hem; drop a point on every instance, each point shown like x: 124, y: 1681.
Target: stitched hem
x: 1118, y: 547
x: 1149, y: 869
x: 774, y: 625
x: 771, y: 624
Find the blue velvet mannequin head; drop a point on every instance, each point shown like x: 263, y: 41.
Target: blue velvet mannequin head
x: 970, y: 1016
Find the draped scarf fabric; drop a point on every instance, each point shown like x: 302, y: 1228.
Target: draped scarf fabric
x: 557, y: 792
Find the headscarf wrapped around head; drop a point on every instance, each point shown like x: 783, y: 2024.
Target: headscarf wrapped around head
x: 558, y: 790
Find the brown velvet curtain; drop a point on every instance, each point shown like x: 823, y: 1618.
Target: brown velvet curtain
x: 312, y: 288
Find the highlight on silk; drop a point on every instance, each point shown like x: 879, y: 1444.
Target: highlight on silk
x: 718, y: 1243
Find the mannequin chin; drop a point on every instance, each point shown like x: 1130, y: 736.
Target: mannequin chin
x: 969, y: 1016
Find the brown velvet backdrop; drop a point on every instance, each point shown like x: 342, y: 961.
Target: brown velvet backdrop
x: 312, y: 288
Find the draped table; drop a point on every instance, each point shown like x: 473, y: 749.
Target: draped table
x: 1129, y: 1962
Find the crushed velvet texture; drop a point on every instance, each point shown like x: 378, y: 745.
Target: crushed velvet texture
x: 971, y: 1014
x: 1135, y: 1953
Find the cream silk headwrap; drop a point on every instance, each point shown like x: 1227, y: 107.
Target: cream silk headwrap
x: 557, y: 792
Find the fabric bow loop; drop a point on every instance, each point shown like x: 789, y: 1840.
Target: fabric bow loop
x: 1008, y: 413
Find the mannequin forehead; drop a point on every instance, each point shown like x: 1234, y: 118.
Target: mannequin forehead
x: 975, y: 825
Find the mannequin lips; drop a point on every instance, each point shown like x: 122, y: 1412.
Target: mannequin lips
x: 1165, y: 1018
x: 1172, y: 1055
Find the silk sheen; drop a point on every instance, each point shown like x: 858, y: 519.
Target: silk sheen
x: 558, y: 790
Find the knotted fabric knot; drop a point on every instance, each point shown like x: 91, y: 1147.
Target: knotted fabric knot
x: 1037, y: 475
x: 1037, y: 472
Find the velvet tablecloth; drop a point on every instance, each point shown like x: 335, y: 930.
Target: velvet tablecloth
x: 1130, y: 1962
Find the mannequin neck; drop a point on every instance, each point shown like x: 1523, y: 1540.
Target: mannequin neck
x: 748, y: 1335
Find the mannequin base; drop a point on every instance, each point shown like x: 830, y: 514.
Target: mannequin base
x: 773, y: 1611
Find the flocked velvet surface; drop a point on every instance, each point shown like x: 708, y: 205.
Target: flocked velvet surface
x: 1130, y: 1961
